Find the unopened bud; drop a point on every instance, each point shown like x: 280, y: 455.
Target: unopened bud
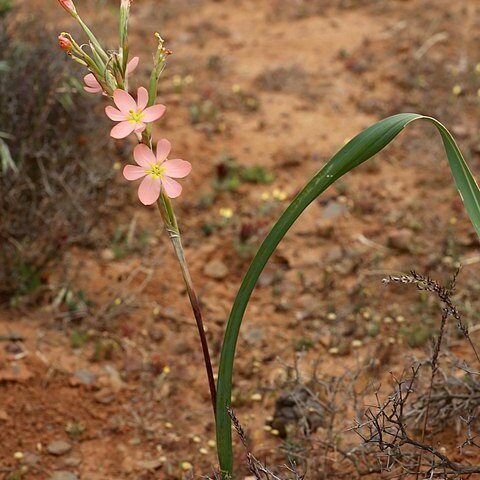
x: 65, y: 43
x: 68, y: 5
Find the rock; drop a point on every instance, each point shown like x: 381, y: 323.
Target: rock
x: 216, y: 269
x: 59, y: 447
x: 83, y: 377
x: 114, y: 379
x: 150, y: 464
x: 333, y: 209
x: 254, y: 336
x: 31, y: 459
x: 299, y: 408
x: 63, y: 475
x: 401, y: 240
x: 108, y: 254
x: 72, y: 462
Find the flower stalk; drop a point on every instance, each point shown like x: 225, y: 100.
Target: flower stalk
x: 124, y: 14
x: 165, y: 208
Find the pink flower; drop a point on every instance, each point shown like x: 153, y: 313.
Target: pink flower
x: 68, y: 5
x: 92, y: 85
x: 157, y: 172
x: 133, y: 116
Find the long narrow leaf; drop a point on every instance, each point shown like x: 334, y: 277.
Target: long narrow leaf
x: 358, y: 150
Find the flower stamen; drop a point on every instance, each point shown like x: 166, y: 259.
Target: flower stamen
x: 156, y: 171
x: 135, y: 116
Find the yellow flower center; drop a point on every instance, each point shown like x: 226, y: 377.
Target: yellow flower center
x: 135, y: 116
x: 156, y: 171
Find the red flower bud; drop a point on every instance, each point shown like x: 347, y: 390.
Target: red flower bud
x: 68, y: 5
x: 65, y: 43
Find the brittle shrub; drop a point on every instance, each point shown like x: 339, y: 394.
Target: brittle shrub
x: 54, y: 170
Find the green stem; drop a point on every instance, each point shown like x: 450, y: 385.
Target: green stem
x: 166, y: 211
x: 96, y: 44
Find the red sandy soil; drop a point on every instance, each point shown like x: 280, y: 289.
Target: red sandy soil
x: 320, y: 72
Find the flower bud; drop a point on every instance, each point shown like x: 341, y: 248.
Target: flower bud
x: 65, y: 43
x: 68, y: 5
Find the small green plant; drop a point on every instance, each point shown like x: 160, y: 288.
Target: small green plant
x: 304, y: 344
x: 229, y: 174
x: 247, y: 101
x: 78, y: 339
x: 75, y: 429
x: 5, y: 7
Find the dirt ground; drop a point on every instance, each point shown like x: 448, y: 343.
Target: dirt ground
x: 116, y: 377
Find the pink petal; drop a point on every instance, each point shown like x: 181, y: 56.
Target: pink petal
x: 132, y: 172
x: 153, y: 113
x: 140, y: 127
x: 142, y: 98
x: 114, y: 114
x: 91, y: 81
x: 132, y: 64
x: 177, y: 168
x: 124, y: 101
x: 144, y: 156
x: 122, y: 130
x: 93, y: 89
x: 172, y: 188
x: 163, y: 149
x: 149, y: 190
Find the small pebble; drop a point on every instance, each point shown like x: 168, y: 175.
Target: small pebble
x: 216, y: 269
x: 457, y: 90
x: 59, y: 447
x: 356, y: 343
x: 366, y: 314
x: 72, y: 461
x: 63, y: 475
